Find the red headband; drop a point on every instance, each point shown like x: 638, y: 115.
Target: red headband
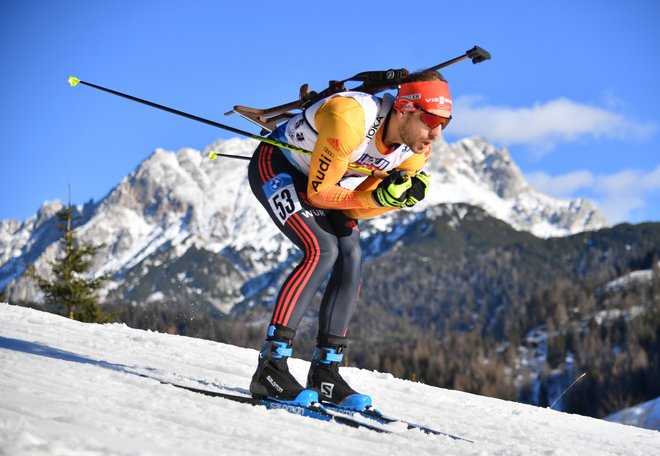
x: 427, y: 95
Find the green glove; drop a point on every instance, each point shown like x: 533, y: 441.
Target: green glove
x: 393, y: 190
x: 418, y: 189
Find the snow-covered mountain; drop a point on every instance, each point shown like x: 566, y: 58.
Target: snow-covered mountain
x: 79, y: 389
x: 174, y: 202
x: 475, y: 172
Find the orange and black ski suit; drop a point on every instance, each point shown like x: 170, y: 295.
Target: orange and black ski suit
x: 307, y: 203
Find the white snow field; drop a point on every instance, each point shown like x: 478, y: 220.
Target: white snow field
x: 70, y: 388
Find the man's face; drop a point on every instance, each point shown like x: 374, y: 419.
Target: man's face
x: 416, y: 134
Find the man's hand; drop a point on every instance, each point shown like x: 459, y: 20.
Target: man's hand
x: 393, y: 190
x: 418, y: 189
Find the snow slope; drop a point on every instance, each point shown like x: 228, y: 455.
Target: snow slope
x: 69, y: 388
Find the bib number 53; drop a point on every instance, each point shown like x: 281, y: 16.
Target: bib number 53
x: 282, y: 196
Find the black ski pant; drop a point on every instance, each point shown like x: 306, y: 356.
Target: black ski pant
x: 328, y: 239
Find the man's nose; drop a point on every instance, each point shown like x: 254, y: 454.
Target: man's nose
x: 435, y: 132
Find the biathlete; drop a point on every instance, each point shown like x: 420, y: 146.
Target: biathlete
x: 392, y: 137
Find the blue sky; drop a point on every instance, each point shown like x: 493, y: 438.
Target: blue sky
x: 572, y: 89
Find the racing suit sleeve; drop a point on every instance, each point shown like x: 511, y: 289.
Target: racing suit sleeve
x: 340, y: 126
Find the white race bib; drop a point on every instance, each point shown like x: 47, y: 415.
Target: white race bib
x: 282, y: 196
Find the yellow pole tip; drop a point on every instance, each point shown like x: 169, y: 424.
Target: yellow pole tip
x: 213, y: 155
x: 73, y: 81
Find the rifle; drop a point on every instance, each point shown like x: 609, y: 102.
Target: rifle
x: 372, y: 82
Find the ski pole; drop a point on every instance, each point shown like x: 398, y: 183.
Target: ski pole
x: 566, y: 390
x: 213, y: 155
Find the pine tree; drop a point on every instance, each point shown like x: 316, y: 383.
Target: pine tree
x: 71, y: 288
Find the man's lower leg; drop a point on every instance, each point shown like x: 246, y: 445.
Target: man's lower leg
x: 272, y: 378
x: 325, y: 378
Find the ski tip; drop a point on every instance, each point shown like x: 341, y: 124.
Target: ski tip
x: 213, y: 155
x: 73, y: 81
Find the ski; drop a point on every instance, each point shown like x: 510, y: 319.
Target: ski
x: 377, y: 416
x: 315, y: 411
x: 323, y: 411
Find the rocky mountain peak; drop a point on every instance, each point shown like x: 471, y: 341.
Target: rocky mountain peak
x: 174, y: 201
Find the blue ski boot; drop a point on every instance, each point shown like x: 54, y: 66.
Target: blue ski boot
x: 324, y: 375
x: 272, y: 379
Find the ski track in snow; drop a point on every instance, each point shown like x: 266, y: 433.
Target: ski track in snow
x: 70, y: 388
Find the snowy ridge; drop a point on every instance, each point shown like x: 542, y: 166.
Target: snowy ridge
x: 475, y: 172
x: 67, y: 388
x: 646, y: 415
x: 632, y: 278
x: 173, y: 201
